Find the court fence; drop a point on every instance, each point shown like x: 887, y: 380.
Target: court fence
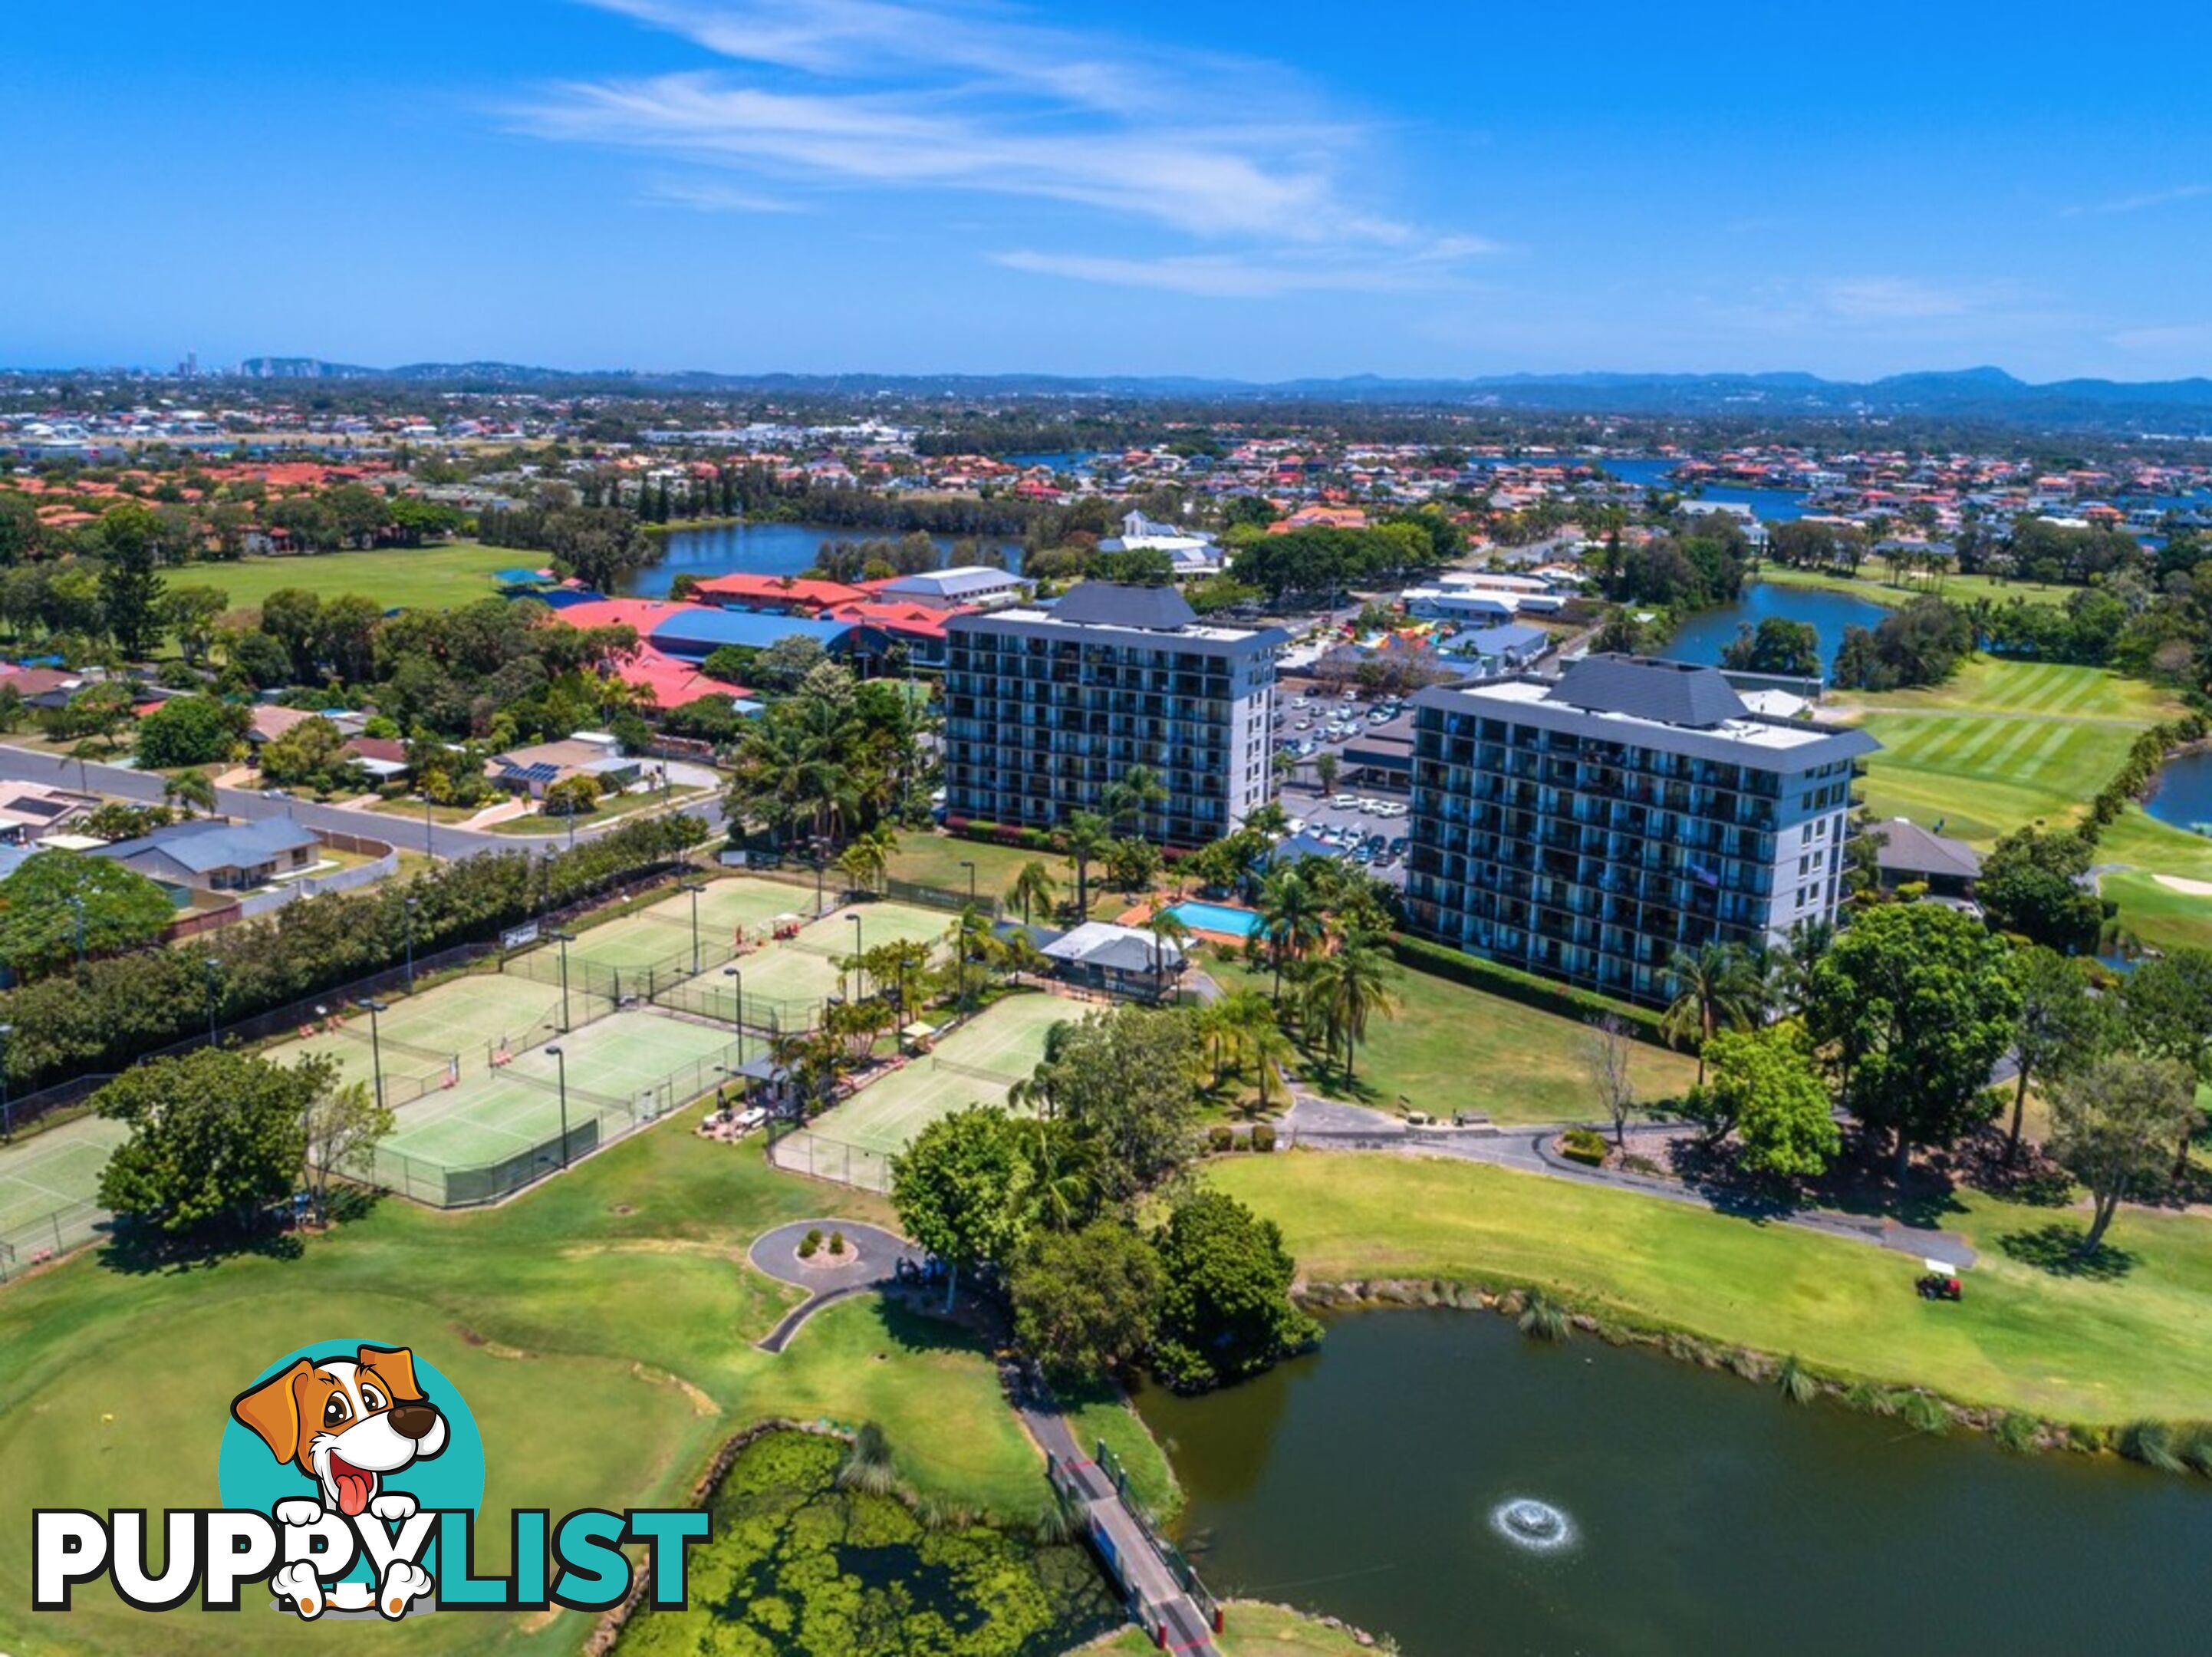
x: 595, y: 1120
x: 51, y: 1235
x: 801, y: 1150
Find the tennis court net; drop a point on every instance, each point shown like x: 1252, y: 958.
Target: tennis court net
x: 361, y: 1031
x: 938, y: 1061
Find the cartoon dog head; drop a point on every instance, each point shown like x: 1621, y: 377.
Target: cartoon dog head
x: 345, y: 1422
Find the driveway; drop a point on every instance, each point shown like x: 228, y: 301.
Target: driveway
x: 871, y: 1260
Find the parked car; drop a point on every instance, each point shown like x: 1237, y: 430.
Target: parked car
x: 1344, y: 801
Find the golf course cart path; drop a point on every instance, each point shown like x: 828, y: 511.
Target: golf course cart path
x: 1327, y: 1124
x: 875, y: 1256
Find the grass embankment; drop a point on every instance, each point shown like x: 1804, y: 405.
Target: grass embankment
x: 601, y: 1329
x: 427, y: 577
x: 2009, y: 743
x: 1257, y: 1630
x: 1451, y: 1047
x: 937, y: 859
x: 2081, y: 1347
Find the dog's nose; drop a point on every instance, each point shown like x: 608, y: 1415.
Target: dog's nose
x: 413, y: 1419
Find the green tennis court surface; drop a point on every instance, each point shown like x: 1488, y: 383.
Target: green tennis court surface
x: 804, y: 968
x: 55, y: 1169
x: 977, y: 1064
x: 464, y: 1018
x: 611, y: 1065
x: 662, y: 934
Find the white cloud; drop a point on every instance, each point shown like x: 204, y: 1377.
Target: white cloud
x: 1888, y: 299
x: 2138, y: 204
x: 706, y: 196
x: 842, y: 94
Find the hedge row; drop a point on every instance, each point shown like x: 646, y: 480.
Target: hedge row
x: 2141, y: 764
x: 1512, y: 983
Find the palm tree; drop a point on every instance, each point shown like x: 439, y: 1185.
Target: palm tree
x: 1019, y: 957
x: 1085, y: 839
x: 971, y: 942
x: 1716, y: 986
x: 190, y: 788
x: 1344, y: 991
x: 1167, y: 927
x: 860, y: 865
x: 1291, y: 915
x: 1033, y: 887
x: 1137, y: 792
x: 1250, y: 1019
x: 1061, y: 1192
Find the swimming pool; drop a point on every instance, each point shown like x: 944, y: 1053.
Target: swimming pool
x: 1216, y: 917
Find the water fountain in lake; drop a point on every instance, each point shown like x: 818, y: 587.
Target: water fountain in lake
x: 1535, y: 1526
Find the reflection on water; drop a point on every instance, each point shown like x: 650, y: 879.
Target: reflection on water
x: 1708, y: 1515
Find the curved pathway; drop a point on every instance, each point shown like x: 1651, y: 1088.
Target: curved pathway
x: 1330, y: 1125
x: 873, y: 1255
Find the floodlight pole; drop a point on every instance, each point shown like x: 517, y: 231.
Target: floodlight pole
x: 564, y: 939
x: 859, y: 972
x: 7, y: 1106
x: 563, y: 1059
x: 215, y: 992
x: 738, y: 1008
x: 695, y: 887
x: 375, y: 1044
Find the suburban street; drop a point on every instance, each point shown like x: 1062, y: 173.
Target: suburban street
x: 407, y: 833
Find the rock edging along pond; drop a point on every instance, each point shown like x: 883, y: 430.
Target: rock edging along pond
x: 808, y: 1556
x: 2167, y: 1446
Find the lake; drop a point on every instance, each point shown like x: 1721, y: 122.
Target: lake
x: 1709, y: 1514
x: 2183, y: 797
x: 1650, y: 471
x: 759, y: 550
x: 1706, y: 635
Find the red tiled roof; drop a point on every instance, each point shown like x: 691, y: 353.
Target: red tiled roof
x: 795, y: 591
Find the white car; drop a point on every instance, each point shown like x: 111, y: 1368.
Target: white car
x: 1365, y: 804
x: 1295, y: 826
x: 1344, y: 801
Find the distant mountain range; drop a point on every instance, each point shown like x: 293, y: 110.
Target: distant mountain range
x: 1985, y: 394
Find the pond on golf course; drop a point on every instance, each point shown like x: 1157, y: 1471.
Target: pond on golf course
x: 2183, y: 794
x: 1703, y: 636
x: 1708, y: 1513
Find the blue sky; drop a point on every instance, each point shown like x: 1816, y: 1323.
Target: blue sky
x: 1262, y: 190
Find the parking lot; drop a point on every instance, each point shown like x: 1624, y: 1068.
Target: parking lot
x: 1363, y: 819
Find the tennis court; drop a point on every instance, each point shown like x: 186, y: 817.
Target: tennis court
x: 465, y: 1019
x: 977, y: 1064
x: 55, y: 1169
x: 494, y: 1113
x: 804, y: 968
x: 662, y: 934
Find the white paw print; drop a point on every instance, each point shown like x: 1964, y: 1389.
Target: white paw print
x: 297, y: 1583
x: 402, y: 1582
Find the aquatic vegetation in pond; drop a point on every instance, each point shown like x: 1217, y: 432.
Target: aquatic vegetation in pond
x: 799, y: 1564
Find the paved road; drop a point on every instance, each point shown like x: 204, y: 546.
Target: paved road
x: 409, y: 833
x: 1527, y: 1149
x: 875, y: 1254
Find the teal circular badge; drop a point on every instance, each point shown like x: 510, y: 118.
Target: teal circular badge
x: 250, y: 1475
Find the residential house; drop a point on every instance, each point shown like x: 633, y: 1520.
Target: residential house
x: 533, y: 769
x: 209, y: 855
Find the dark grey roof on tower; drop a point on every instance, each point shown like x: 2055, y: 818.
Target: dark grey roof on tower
x: 1672, y: 693
x: 1109, y: 604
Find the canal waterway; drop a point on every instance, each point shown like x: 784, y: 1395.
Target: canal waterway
x: 1706, y: 635
x: 1706, y: 1513
x: 761, y: 549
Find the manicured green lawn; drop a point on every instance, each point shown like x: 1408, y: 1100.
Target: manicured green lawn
x: 431, y: 578
x: 1452, y: 1048
x: 2009, y: 743
x: 2069, y: 1348
x: 1872, y: 583
x: 601, y: 1328
x: 936, y: 860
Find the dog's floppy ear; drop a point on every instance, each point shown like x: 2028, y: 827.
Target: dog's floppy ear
x: 272, y: 1411
x: 395, y: 1367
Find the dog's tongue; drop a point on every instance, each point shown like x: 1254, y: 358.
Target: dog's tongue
x: 352, y: 1491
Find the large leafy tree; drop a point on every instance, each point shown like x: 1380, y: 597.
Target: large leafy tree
x: 41, y: 902
x: 1226, y: 1312
x: 1126, y: 1081
x: 2032, y: 884
x: 2167, y: 1004
x: 2112, y: 1122
x: 960, y: 1190
x: 190, y: 730
x: 1766, y: 1085
x: 132, y: 537
x: 216, y: 1137
x: 2060, y: 1029
x: 1086, y: 1300
x: 345, y: 1126
x: 1919, y: 1003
